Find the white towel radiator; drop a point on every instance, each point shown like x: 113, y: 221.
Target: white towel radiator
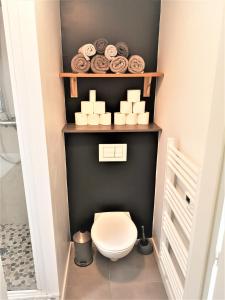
x: 181, y: 190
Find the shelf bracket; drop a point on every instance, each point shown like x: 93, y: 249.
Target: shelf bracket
x: 73, y: 87
x: 147, y: 86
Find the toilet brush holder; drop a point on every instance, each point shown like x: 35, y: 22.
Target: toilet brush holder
x: 144, y: 244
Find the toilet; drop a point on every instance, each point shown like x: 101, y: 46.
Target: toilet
x: 114, y: 234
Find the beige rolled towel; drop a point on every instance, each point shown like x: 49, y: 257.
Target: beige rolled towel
x: 79, y: 64
x: 100, y: 45
x: 99, y: 64
x: 87, y: 50
x: 136, y: 64
x: 110, y: 52
x: 122, y: 49
x: 119, y: 64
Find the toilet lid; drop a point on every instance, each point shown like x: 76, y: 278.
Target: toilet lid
x: 114, y: 231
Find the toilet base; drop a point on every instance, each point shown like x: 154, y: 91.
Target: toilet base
x: 114, y: 259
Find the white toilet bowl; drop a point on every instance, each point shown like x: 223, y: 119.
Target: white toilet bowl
x: 114, y: 234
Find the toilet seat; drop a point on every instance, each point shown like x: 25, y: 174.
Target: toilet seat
x: 114, y: 232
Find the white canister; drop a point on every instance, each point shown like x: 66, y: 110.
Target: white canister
x: 139, y: 107
x: 87, y: 107
x: 125, y: 107
x: 119, y: 119
x: 143, y: 119
x: 80, y: 119
x: 93, y: 119
x: 99, y: 107
x: 133, y: 95
x: 105, y: 119
x: 131, y: 119
x: 92, y: 96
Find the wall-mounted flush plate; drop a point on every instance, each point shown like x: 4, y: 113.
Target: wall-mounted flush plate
x: 112, y: 152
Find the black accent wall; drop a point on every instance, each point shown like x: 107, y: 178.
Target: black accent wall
x: 94, y: 186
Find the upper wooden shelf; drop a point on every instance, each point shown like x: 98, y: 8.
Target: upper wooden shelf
x: 109, y: 75
x: 73, y: 79
x: 72, y: 128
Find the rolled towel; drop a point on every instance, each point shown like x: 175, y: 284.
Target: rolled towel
x: 122, y: 49
x: 87, y: 50
x: 110, y: 52
x: 99, y: 64
x: 79, y: 64
x: 136, y: 64
x: 100, y: 45
x: 119, y: 64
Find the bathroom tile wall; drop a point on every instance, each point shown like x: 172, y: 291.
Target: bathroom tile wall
x: 94, y: 186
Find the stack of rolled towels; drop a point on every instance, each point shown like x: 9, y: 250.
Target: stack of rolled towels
x: 132, y: 111
x: 101, y: 56
x: 92, y: 112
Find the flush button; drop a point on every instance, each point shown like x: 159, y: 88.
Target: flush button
x: 118, y: 151
x: 112, y: 152
x: 108, y: 151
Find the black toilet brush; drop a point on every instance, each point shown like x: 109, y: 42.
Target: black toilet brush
x: 144, y: 244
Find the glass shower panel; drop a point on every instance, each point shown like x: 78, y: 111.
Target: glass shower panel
x: 15, y: 242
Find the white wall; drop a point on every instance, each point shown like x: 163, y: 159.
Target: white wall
x: 219, y: 291
x: 5, y: 85
x: 32, y: 27
x: 3, y: 290
x: 188, y: 49
x: 190, y: 107
x: 50, y: 57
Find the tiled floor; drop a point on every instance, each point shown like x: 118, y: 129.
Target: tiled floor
x: 133, y: 277
x: 17, y: 257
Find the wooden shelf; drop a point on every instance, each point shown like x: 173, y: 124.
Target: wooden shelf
x: 73, y: 79
x: 72, y: 128
x: 109, y: 75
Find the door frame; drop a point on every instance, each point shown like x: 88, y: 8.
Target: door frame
x: 217, y: 240
x: 21, y: 41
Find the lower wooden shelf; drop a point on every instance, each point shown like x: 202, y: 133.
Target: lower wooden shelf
x: 72, y: 128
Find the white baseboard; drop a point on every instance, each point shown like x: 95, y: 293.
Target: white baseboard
x: 162, y: 273
x: 30, y: 294
x: 66, y: 273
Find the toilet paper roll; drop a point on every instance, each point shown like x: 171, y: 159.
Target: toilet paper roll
x: 125, y: 107
x: 133, y: 95
x: 131, y: 119
x: 93, y: 119
x: 143, y: 119
x: 92, y: 95
x: 119, y: 119
x: 87, y: 107
x: 139, y: 107
x: 99, y: 107
x: 105, y: 119
x: 80, y: 119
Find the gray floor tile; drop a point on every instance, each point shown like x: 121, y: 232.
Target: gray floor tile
x: 135, y: 267
x: 91, y: 282
x: 138, y: 290
x: 133, y: 277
